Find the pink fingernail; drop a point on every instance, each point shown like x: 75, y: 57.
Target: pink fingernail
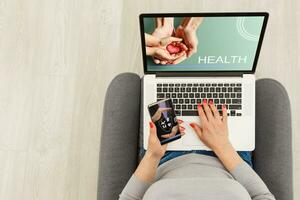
x: 151, y: 124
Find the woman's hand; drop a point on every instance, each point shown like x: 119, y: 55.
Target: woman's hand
x: 147, y: 168
x: 164, y: 27
x: 177, y: 43
x: 155, y: 149
x: 167, y: 40
x: 187, y: 31
x: 160, y: 54
x: 190, y: 38
x: 213, y: 131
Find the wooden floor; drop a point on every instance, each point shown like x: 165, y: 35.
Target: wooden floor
x: 57, y: 58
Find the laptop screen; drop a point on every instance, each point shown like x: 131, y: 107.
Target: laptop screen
x: 201, y: 42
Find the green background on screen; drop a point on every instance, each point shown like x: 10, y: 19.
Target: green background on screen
x: 217, y: 36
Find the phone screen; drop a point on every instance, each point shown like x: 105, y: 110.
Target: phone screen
x: 163, y: 116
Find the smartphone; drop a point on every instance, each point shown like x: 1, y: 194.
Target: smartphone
x: 163, y: 116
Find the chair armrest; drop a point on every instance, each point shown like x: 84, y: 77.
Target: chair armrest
x: 273, y: 152
x: 119, y: 138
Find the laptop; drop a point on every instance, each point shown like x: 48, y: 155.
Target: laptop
x: 189, y: 57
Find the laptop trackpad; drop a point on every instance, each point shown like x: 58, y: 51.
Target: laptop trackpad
x: 191, y: 138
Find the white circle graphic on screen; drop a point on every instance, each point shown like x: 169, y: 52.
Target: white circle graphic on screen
x: 240, y: 25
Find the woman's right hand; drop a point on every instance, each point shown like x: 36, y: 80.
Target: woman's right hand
x: 213, y: 131
x: 190, y: 39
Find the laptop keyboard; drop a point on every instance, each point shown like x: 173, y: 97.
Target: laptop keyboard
x: 185, y: 97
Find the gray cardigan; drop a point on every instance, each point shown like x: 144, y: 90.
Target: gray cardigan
x: 196, y: 176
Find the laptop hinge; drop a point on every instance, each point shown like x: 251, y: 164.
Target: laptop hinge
x: 199, y: 74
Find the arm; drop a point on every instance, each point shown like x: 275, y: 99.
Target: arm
x: 147, y: 168
x: 145, y: 173
x: 214, y: 133
x: 244, y: 174
x: 248, y: 178
x: 142, y: 178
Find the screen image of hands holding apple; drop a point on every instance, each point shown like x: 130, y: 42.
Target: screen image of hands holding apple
x: 171, y: 45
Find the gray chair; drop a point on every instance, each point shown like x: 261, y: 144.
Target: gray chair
x: 272, y: 157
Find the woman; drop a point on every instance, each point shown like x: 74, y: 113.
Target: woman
x: 197, y: 176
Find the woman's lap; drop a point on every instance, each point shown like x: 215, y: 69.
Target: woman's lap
x: 245, y: 155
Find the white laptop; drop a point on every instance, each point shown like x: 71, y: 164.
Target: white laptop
x: 221, y: 68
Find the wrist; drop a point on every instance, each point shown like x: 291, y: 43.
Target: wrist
x: 152, y: 157
x: 146, y: 170
x: 222, y: 149
x: 229, y: 157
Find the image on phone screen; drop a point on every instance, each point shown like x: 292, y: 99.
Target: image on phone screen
x: 163, y: 116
